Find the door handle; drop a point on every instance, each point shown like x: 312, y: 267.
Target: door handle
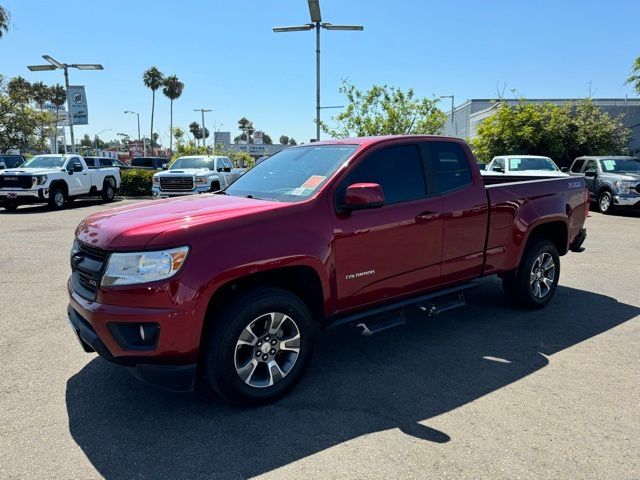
x: 425, y: 217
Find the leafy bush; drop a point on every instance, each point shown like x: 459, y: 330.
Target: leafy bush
x: 136, y: 183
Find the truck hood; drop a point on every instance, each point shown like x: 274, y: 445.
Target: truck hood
x: 186, y: 171
x: 29, y: 171
x: 622, y: 176
x: 134, y: 226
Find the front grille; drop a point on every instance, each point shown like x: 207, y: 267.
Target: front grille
x: 87, y: 265
x: 176, y: 184
x: 16, y: 181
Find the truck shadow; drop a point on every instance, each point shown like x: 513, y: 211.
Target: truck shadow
x: 76, y: 204
x: 356, y: 385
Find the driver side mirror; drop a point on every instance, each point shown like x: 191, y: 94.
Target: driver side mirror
x: 590, y: 173
x: 498, y: 169
x: 165, y: 166
x: 362, y: 196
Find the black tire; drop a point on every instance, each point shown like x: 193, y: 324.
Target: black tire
x: 223, y: 358
x: 10, y: 207
x: 605, y: 202
x: 215, y: 186
x: 520, y: 286
x: 57, y: 198
x: 108, y: 191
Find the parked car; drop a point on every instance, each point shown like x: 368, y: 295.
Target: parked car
x: 56, y: 179
x: 150, y: 163
x: 230, y: 287
x: 11, y: 161
x: 195, y: 174
x: 524, y: 165
x: 106, y: 162
x: 612, y: 181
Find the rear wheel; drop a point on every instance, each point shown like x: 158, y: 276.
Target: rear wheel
x: 534, y: 283
x: 108, y: 191
x: 605, y: 202
x: 57, y: 198
x: 259, y: 347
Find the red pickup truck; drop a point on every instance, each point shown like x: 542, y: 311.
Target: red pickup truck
x: 228, y: 288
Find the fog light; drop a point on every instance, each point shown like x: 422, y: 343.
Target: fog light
x: 135, y: 336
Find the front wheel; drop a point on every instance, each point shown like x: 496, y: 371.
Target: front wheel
x: 259, y: 347
x: 535, y: 281
x: 10, y: 206
x: 605, y: 202
x: 57, y: 198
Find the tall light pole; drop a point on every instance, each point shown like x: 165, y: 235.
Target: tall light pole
x: 144, y: 145
x: 317, y: 24
x: 55, y: 64
x: 204, y: 130
x: 95, y: 139
x: 452, y: 97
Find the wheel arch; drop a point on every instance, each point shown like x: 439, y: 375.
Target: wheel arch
x: 555, y: 231
x: 59, y: 184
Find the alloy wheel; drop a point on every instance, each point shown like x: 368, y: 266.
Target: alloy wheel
x: 542, y: 276
x: 267, y: 349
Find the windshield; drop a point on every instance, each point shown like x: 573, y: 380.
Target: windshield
x: 194, y: 162
x: 44, y: 162
x: 293, y: 174
x: 532, y: 163
x: 621, y: 165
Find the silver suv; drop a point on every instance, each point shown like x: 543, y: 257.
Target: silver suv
x: 612, y: 181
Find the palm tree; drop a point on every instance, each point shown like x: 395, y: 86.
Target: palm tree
x: 19, y: 90
x: 153, y: 79
x: 194, y: 128
x: 57, y: 96
x: 172, y: 90
x: 41, y: 94
x: 5, y: 18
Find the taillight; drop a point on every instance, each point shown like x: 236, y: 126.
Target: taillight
x: 587, y: 202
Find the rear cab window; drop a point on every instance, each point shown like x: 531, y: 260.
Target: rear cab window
x: 449, y: 165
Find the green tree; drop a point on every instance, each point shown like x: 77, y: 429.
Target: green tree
x: 57, y: 96
x: 153, y: 79
x: 178, y: 134
x: 560, y: 132
x: 384, y: 110
x: 284, y: 140
x: 20, y: 90
x: 246, y: 127
x: 266, y: 139
x: 292, y: 141
x: 196, y: 131
x: 41, y: 94
x: 172, y: 90
x: 18, y: 121
x: 634, y: 76
x: 5, y: 18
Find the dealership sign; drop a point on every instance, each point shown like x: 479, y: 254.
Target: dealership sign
x: 79, y: 114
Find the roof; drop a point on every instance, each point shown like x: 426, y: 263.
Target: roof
x: 604, y: 157
x: 365, y: 141
x: 521, y: 156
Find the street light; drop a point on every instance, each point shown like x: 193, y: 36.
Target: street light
x: 55, y: 64
x: 316, y: 19
x: 204, y: 130
x: 144, y: 145
x: 452, y: 97
x: 95, y: 139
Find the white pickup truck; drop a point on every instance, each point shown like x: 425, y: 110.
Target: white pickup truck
x: 196, y: 174
x: 56, y: 180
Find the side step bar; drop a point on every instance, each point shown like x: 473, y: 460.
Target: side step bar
x: 392, y: 315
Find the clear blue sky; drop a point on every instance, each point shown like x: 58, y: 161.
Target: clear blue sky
x: 230, y: 60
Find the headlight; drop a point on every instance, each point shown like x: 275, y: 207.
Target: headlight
x: 156, y: 180
x: 143, y: 267
x: 42, y: 179
x: 201, y: 179
x: 623, y: 186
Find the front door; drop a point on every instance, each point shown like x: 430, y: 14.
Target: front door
x: 591, y: 166
x: 393, y: 250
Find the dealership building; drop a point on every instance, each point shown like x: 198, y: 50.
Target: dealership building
x: 463, y: 122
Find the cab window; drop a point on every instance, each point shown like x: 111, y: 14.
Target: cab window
x: 449, y: 164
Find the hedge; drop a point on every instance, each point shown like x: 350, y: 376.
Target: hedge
x: 136, y: 183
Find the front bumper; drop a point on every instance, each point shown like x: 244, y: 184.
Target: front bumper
x: 157, y: 193
x: 23, y: 195
x: 626, y: 200
x: 170, y: 361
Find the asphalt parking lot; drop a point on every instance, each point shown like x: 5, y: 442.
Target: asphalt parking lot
x: 487, y: 391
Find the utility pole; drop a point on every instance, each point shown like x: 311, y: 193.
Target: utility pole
x: 204, y: 130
